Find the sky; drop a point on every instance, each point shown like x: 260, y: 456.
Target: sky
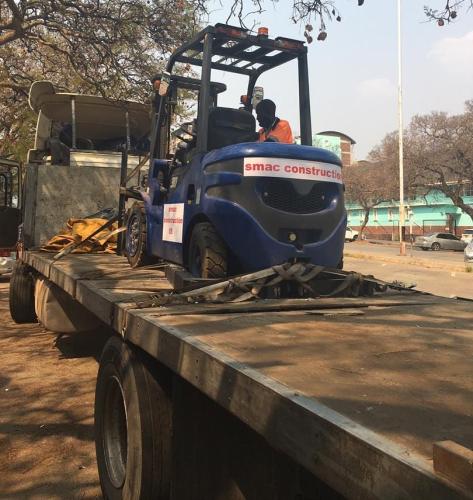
x: 353, y: 73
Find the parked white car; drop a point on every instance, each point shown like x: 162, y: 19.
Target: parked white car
x: 351, y: 234
x: 440, y: 241
x: 467, y: 235
x: 468, y: 252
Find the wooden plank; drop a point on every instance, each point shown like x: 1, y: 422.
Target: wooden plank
x: 65, y: 275
x: 105, y: 304
x: 230, y: 357
x: 35, y: 261
x: 96, y: 301
x: 403, y: 371
x: 150, y: 284
x: 274, y: 305
x: 347, y: 456
x: 127, y: 272
x: 103, y: 297
x: 67, y: 272
x: 181, y: 279
x: 59, y: 273
x: 455, y: 462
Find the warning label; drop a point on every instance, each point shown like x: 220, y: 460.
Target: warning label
x: 173, y: 222
x: 292, y: 169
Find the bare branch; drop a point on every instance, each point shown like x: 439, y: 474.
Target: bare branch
x: 449, y: 13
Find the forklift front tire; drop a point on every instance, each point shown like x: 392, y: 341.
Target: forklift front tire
x: 135, y: 237
x: 207, y: 252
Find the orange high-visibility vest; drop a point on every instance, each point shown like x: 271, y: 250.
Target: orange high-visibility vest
x: 280, y: 132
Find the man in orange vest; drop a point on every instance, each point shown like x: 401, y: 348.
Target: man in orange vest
x: 272, y: 128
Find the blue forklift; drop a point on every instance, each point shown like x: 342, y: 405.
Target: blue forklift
x: 216, y: 201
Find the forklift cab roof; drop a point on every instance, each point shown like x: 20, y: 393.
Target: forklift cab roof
x: 237, y: 51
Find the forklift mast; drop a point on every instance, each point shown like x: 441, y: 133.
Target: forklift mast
x: 228, y: 48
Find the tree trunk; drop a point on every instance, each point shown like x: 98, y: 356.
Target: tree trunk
x: 365, y: 221
x: 458, y: 202
x: 454, y: 194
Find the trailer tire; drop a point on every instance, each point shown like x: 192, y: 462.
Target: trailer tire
x: 135, y: 237
x: 22, y: 283
x: 207, y: 252
x: 133, y: 424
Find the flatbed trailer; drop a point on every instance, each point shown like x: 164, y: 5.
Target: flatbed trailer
x: 295, y: 398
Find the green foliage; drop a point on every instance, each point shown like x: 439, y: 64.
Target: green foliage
x: 114, y: 47
x: 108, y: 48
x: 438, y: 155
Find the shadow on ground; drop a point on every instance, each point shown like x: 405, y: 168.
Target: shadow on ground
x: 47, y: 386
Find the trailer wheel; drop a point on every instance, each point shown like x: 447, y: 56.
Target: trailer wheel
x: 135, y: 237
x: 133, y: 424
x: 207, y: 252
x: 22, y: 308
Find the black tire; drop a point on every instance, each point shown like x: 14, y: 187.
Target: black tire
x: 22, y: 309
x: 133, y: 424
x: 424, y: 248
x: 208, y: 256
x: 435, y: 246
x: 135, y: 237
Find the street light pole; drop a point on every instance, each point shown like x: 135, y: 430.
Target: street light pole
x: 402, y: 249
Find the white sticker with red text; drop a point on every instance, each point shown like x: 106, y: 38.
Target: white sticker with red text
x: 173, y: 222
x: 292, y: 169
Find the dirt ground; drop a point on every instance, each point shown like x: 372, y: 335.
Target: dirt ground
x: 47, y: 385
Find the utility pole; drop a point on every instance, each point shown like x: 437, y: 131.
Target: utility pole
x: 402, y: 248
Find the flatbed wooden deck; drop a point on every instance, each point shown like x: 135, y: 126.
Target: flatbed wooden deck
x: 355, y: 390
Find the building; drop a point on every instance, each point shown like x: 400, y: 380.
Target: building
x: 424, y: 214
x: 347, y: 145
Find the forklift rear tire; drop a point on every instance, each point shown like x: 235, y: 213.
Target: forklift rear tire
x: 133, y: 424
x: 135, y: 237
x: 22, y: 308
x: 207, y: 252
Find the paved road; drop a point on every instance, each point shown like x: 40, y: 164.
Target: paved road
x: 440, y: 281
x: 393, y: 250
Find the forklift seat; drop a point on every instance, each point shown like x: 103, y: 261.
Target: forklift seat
x: 229, y: 126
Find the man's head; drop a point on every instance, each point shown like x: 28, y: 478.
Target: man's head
x: 265, y: 113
